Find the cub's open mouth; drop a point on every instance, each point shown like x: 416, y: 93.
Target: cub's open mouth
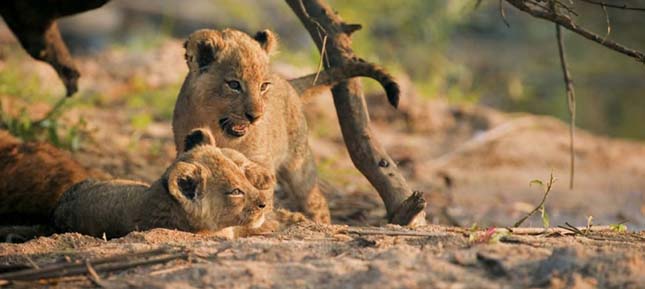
x: 233, y: 129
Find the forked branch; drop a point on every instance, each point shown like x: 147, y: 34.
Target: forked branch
x: 332, y: 35
x: 537, y: 9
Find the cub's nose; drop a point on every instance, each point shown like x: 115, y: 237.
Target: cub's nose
x: 252, y: 116
x: 262, y: 205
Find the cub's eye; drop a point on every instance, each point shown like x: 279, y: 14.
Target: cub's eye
x: 265, y: 86
x: 236, y: 192
x: 234, y: 85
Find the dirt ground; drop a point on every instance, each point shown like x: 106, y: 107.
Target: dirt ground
x: 315, y: 256
x: 474, y: 165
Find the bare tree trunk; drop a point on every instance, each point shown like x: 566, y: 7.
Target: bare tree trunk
x: 327, y: 28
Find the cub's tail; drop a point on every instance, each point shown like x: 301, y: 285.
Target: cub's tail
x: 360, y: 67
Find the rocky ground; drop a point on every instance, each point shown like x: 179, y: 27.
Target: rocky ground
x: 474, y: 165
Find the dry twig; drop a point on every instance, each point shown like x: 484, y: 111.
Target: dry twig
x: 108, y: 264
x: 534, y: 8
x: 571, y: 103
x: 391, y: 233
x: 93, y: 276
x: 615, y: 6
x: 549, y: 185
x: 502, y: 13
x: 604, y: 10
x: 573, y: 229
x: 561, y: 230
x: 323, y: 54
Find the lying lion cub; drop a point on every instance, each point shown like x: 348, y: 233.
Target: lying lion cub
x: 206, y: 188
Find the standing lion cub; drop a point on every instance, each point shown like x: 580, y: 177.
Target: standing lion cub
x: 231, y: 90
x: 205, y: 189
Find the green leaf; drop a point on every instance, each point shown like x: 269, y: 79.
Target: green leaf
x: 618, y: 228
x: 536, y: 182
x: 52, y: 135
x: 73, y: 139
x: 545, y: 218
x: 498, y: 236
x: 472, y: 232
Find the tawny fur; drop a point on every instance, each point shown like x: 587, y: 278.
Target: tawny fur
x: 33, y: 176
x: 231, y: 89
x: 206, y: 188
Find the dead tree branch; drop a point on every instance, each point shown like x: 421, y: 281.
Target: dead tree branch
x: 365, y: 151
x: 571, y: 103
x: 100, y: 265
x: 534, y: 8
x: 615, y: 6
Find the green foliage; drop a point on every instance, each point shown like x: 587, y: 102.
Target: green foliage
x: 546, y: 223
x: 472, y: 233
x: 618, y: 228
x: 536, y: 182
x: 414, y: 36
x: 49, y: 128
x: 153, y: 103
x: 26, y: 87
x: 462, y: 54
x: 546, y: 186
x: 15, y: 82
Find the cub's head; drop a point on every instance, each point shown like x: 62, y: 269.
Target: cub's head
x: 213, y: 189
x: 229, y: 77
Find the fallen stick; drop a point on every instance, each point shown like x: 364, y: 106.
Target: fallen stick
x: 513, y: 231
x: 392, y: 233
x: 93, y: 276
x: 557, y: 230
x: 169, y: 270
x: 103, y: 268
x: 57, y: 268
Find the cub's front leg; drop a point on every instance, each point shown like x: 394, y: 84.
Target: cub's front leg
x: 299, y: 179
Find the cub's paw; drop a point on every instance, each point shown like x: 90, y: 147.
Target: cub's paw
x: 268, y: 227
x: 287, y: 218
x: 260, y: 177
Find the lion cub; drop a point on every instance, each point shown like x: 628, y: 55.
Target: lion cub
x: 206, y: 188
x: 231, y: 89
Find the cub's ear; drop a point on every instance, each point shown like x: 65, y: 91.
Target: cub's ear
x: 268, y: 41
x: 185, y: 182
x: 201, y: 49
x: 260, y: 178
x: 198, y: 137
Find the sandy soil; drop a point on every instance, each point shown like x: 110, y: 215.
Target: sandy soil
x: 473, y: 163
x: 314, y: 256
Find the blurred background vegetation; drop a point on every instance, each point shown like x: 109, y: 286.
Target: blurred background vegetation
x: 449, y: 49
